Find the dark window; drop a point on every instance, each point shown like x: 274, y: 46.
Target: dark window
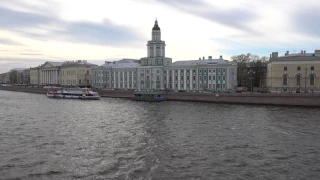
x: 312, y: 68
x: 311, y: 80
x: 298, y: 80
x: 298, y: 68
x: 194, y: 78
x: 285, y: 80
x: 285, y: 68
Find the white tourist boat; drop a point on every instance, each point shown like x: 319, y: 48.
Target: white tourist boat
x: 73, y: 93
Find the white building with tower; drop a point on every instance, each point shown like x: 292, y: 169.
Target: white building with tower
x: 158, y: 72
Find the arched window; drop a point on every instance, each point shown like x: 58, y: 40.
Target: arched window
x: 285, y: 80
x: 298, y: 77
x: 311, y: 79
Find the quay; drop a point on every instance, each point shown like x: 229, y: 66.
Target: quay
x: 284, y: 99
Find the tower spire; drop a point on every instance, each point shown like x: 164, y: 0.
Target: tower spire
x: 156, y: 26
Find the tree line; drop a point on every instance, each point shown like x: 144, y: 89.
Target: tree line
x: 251, y: 68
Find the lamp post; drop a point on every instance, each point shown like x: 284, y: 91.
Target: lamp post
x: 250, y: 72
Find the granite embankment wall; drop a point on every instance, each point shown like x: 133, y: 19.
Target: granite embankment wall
x: 24, y: 89
x: 292, y: 99
x: 312, y: 100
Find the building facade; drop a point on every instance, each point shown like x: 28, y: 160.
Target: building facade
x: 35, y: 76
x: 158, y: 72
x: 69, y: 73
x: 4, y: 78
x: 49, y: 73
x: 76, y: 73
x: 294, y: 72
x: 26, y: 76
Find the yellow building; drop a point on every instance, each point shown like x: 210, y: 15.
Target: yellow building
x: 35, y: 75
x: 69, y: 73
x: 294, y: 72
x: 76, y: 73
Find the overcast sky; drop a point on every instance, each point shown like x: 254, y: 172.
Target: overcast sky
x: 35, y: 31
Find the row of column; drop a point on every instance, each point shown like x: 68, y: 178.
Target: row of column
x: 123, y: 81
x: 49, y: 77
x: 197, y: 81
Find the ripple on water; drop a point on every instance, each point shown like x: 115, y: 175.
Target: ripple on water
x: 43, y: 138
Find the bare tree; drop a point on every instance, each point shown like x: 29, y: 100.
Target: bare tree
x: 251, y: 62
x: 13, y: 76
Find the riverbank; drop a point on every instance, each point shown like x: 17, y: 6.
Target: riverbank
x: 285, y: 99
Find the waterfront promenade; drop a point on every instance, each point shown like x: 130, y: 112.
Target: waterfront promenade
x: 285, y: 99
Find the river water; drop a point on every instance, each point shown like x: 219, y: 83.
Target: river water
x: 43, y: 138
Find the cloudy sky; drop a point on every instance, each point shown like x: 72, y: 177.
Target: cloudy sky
x: 35, y: 31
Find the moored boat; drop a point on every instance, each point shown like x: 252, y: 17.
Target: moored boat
x: 154, y: 96
x: 73, y: 93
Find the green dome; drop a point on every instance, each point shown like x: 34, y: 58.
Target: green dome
x: 156, y: 27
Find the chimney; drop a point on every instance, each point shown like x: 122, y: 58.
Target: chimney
x: 304, y: 52
x: 203, y: 58
x: 199, y: 58
x: 210, y: 57
x: 221, y: 57
x: 287, y: 53
x: 301, y: 51
x: 275, y: 54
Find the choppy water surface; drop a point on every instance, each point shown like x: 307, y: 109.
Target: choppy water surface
x: 43, y: 138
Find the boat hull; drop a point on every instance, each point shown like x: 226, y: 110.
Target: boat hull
x: 60, y: 96
x: 148, y: 100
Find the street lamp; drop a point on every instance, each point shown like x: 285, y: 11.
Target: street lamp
x: 250, y: 72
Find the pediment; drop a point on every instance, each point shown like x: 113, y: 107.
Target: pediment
x: 47, y: 65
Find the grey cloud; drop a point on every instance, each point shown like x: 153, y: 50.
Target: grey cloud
x: 235, y: 18
x: 30, y: 54
x: 15, y: 19
x: 102, y: 34
x: 8, y: 42
x: 306, y: 20
x: 43, y: 6
x: 106, y: 33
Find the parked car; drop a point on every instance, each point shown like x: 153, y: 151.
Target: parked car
x: 241, y: 89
